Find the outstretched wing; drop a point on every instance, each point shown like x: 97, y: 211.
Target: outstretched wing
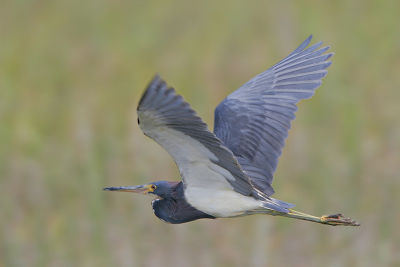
x: 202, y: 159
x: 253, y: 121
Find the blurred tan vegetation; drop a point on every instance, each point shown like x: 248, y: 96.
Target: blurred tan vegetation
x: 72, y: 72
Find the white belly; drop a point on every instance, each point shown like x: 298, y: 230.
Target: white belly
x: 220, y: 203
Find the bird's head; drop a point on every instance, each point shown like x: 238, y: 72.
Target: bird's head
x: 162, y: 189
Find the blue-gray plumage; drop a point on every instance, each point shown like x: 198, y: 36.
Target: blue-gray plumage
x: 254, y: 120
x: 229, y: 173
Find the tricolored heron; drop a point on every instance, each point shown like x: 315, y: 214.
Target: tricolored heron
x: 228, y: 173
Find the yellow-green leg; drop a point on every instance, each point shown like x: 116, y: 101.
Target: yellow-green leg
x: 336, y: 219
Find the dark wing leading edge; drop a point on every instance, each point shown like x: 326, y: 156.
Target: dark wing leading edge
x: 202, y: 159
x: 254, y: 120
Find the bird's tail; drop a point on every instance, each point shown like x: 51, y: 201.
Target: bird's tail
x: 277, y: 205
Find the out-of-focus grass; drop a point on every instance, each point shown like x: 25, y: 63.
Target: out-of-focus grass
x: 71, y: 74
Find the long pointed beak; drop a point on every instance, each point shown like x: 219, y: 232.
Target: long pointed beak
x: 147, y: 188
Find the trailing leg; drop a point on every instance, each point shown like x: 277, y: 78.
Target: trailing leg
x: 334, y: 220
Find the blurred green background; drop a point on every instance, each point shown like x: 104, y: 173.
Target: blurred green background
x: 72, y: 72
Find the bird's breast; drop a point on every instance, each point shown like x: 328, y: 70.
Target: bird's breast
x: 220, y: 203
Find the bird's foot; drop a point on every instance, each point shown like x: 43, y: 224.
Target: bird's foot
x: 338, y: 219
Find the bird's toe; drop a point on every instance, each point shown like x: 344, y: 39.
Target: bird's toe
x: 338, y: 219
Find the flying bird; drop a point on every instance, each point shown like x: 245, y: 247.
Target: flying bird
x: 228, y: 172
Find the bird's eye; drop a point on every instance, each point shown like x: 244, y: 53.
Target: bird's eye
x: 153, y: 187
x: 138, y: 121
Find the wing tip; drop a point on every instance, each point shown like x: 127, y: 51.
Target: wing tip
x: 303, y: 45
x: 155, y: 82
x: 309, y: 38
